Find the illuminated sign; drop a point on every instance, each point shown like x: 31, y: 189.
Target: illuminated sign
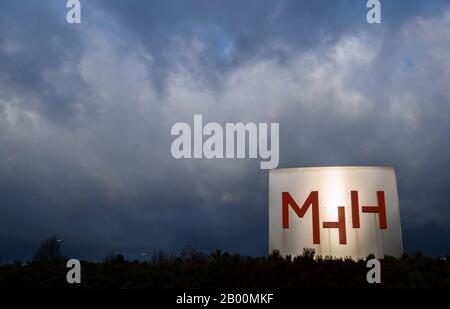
x: 338, y: 211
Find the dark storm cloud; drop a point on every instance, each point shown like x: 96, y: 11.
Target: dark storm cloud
x: 250, y: 28
x: 252, y: 23
x: 86, y: 111
x: 233, y: 31
x: 36, y: 42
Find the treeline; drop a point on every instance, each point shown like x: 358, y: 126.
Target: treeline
x: 193, y: 269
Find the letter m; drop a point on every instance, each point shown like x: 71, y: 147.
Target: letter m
x: 313, y: 199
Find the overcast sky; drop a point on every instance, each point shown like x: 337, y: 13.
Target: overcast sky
x: 86, y: 112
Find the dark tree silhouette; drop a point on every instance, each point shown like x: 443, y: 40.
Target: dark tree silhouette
x: 49, y: 251
x: 192, y: 269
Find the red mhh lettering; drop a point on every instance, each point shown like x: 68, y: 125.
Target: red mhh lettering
x: 340, y: 224
x: 312, y: 200
x: 380, y: 209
